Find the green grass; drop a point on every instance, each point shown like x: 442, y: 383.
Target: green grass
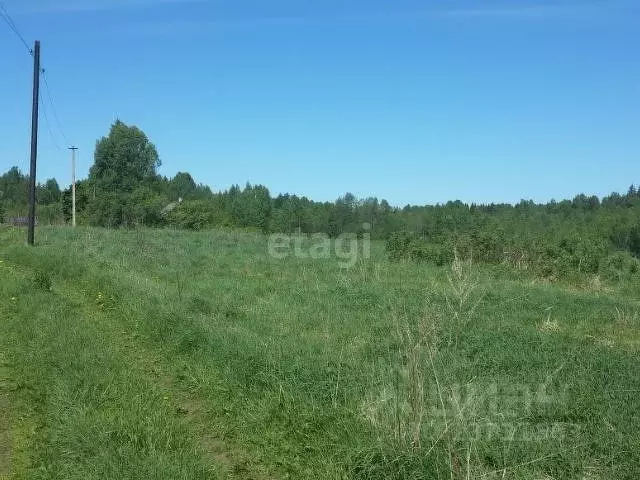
x: 172, y: 355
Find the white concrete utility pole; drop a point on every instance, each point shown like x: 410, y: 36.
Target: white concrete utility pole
x: 73, y: 184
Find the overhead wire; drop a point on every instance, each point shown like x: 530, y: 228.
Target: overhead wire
x: 48, y: 124
x: 53, y: 108
x: 14, y: 28
x: 23, y: 163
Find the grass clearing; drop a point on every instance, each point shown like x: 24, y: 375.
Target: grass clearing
x: 163, y: 354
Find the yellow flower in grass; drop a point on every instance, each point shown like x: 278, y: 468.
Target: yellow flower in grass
x: 100, y: 300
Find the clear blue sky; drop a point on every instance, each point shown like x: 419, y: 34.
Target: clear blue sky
x: 409, y: 100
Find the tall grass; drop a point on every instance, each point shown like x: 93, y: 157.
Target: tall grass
x: 185, y: 355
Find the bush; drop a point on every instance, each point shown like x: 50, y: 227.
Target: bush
x: 398, y: 245
x: 407, y: 246
x: 193, y: 215
x: 50, y: 214
x: 620, y: 266
x: 547, y: 254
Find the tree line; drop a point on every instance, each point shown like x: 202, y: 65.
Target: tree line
x: 586, y: 234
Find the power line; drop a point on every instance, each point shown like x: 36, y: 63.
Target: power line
x: 53, y: 107
x: 46, y: 121
x: 38, y: 99
x: 4, y: 14
x: 7, y: 18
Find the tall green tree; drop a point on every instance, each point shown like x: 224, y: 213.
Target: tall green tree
x: 124, y: 179
x: 14, y: 187
x: 182, y: 186
x: 84, y: 193
x: 49, y: 192
x: 124, y: 160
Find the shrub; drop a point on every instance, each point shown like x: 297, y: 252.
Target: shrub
x: 399, y: 244
x: 620, y: 266
x: 50, y: 214
x: 193, y: 215
x: 408, y: 246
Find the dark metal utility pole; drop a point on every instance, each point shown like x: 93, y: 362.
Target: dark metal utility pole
x: 34, y: 143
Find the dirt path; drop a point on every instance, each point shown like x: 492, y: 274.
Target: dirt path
x: 231, y: 461
x: 225, y: 459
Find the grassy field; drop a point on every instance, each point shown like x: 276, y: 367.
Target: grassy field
x: 170, y: 355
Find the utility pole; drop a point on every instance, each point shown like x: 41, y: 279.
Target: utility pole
x: 73, y: 184
x: 34, y: 143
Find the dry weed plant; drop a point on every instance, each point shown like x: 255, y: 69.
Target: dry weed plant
x: 419, y: 411
x: 460, y: 300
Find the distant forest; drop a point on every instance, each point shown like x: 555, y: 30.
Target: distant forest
x: 584, y: 235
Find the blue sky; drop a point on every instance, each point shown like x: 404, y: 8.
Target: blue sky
x: 413, y: 101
